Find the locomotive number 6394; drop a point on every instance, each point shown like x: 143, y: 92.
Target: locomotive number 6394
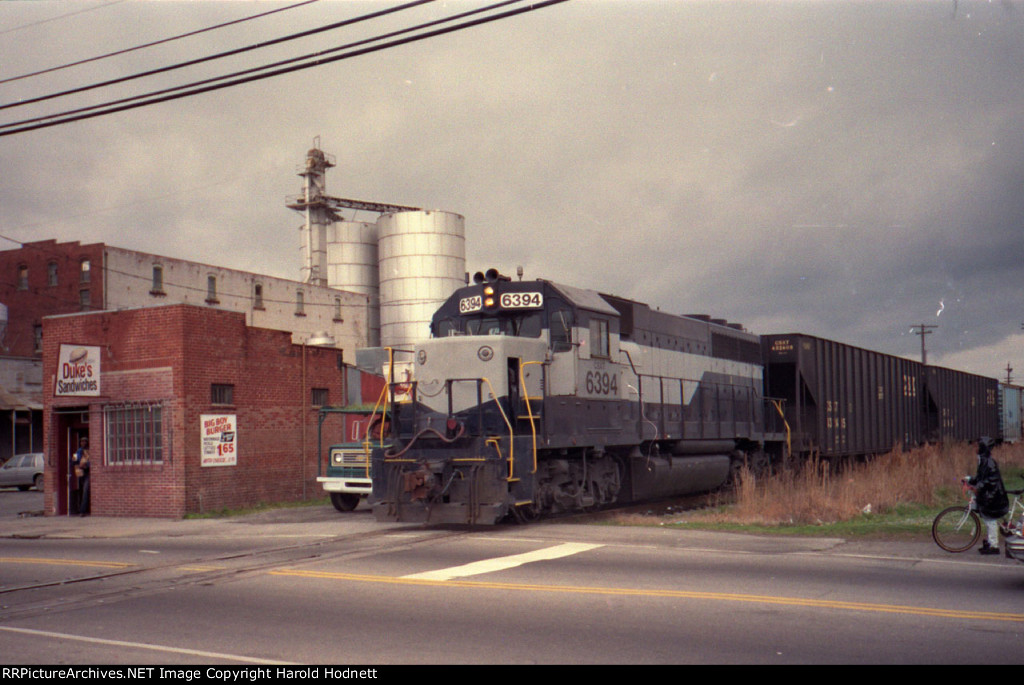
x: 521, y: 300
x: 602, y: 383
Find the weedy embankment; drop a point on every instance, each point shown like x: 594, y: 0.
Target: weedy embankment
x: 822, y: 493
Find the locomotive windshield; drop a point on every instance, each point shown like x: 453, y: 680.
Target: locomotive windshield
x: 524, y: 325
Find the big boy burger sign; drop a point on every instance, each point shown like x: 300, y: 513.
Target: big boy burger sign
x: 78, y: 371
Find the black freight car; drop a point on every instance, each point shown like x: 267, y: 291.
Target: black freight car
x: 842, y: 400
x: 959, y: 405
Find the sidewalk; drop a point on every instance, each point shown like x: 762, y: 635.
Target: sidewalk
x: 293, y: 522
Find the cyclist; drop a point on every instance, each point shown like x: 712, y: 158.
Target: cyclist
x: 990, y: 495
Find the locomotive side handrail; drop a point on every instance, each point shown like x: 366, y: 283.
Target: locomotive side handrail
x: 529, y: 410
x: 720, y: 401
x: 511, y: 432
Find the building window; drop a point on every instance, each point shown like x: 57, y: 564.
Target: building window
x: 222, y: 393
x: 300, y: 303
x: 319, y: 397
x: 337, y: 310
x: 51, y: 274
x: 134, y: 435
x: 257, y: 296
x: 84, y: 272
x: 37, y: 337
x: 211, y: 290
x: 158, y: 280
x: 84, y: 299
x: 22, y: 277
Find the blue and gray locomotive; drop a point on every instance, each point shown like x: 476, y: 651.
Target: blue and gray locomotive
x: 533, y: 397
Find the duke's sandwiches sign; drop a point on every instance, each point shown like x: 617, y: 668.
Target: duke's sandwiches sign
x: 78, y: 371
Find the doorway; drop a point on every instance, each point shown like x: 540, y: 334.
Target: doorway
x: 72, y: 426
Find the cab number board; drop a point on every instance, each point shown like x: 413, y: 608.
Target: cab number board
x: 521, y: 300
x: 471, y: 304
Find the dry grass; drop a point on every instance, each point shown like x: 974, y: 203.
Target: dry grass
x: 817, y: 494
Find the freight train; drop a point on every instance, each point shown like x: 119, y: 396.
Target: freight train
x: 534, y: 398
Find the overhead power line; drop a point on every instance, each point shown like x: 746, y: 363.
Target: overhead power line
x: 60, y: 16
x: 135, y: 98
x: 156, y: 42
x: 219, y: 55
x: 61, y: 119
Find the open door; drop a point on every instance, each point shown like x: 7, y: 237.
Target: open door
x: 72, y: 426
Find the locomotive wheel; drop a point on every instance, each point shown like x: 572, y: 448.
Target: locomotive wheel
x: 956, y: 529
x: 344, y: 501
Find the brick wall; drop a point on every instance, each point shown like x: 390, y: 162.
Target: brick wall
x: 171, y: 356
x: 31, y: 292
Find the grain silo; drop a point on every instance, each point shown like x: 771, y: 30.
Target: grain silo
x: 422, y: 256
x: 352, y: 266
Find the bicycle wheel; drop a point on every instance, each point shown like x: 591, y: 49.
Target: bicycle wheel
x: 956, y: 529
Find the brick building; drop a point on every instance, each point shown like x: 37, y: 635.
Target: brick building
x: 187, y: 409
x: 47, y: 278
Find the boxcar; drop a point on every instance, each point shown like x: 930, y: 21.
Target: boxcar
x: 1011, y: 422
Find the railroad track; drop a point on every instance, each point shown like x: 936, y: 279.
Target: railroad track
x: 120, y: 584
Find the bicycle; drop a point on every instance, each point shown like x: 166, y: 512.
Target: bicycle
x: 958, y: 528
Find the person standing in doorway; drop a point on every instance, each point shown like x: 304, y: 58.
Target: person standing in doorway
x: 80, y: 462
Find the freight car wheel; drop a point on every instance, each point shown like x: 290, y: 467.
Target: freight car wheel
x: 344, y: 501
x: 956, y: 529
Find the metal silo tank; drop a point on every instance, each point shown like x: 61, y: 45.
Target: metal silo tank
x: 352, y: 266
x: 352, y: 257
x: 422, y: 261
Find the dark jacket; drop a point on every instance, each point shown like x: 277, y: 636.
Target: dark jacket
x: 990, y: 495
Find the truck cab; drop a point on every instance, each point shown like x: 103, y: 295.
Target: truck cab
x: 345, y: 476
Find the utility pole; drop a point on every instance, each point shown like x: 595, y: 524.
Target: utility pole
x: 922, y: 332
x: 1009, y: 370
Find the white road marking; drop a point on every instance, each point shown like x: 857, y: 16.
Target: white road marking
x: 502, y: 563
x: 142, y: 645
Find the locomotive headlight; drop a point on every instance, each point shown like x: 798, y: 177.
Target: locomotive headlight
x: 489, y: 296
x: 489, y: 302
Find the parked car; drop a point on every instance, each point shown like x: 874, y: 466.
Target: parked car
x: 24, y: 471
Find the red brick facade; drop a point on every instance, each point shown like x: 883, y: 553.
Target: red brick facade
x: 169, y: 358
x: 45, y: 278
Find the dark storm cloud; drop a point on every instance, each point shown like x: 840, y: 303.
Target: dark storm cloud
x: 846, y: 169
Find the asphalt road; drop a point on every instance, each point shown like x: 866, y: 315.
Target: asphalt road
x: 311, y: 586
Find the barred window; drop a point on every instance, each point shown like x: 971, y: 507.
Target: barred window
x: 320, y: 397
x: 134, y: 434
x: 222, y: 393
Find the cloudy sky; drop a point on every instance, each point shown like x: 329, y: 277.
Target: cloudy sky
x: 843, y: 169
